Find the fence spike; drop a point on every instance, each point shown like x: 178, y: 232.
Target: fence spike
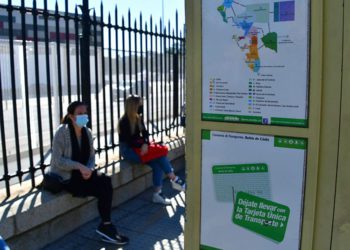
x: 116, y: 15
x: 160, y: 25
x: 101, y: 11
x: 141, y: 21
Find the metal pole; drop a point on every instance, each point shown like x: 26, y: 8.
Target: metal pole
x: 163, y: 21
x: 85, y: 59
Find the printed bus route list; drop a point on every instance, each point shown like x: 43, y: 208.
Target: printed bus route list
x: 258, y: 97
x: 263, y: 95
x: 222, y: 99
x: 261, y: 216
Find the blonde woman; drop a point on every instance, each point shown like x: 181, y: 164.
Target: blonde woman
x: 133, y: 134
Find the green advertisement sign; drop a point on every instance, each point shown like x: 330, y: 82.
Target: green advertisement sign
x: 261, y: 216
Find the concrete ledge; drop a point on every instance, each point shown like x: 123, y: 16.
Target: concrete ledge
x: 25, y: 219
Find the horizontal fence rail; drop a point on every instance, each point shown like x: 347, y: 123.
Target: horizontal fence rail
x: 50, y: 58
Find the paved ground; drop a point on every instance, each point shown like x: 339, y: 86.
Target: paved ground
x: 148, y: 225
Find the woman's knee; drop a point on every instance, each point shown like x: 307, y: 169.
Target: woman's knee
x: 104, y: 183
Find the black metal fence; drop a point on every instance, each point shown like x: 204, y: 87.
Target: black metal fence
x: 50, y: 58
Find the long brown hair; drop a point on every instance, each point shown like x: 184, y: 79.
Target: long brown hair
x: 132, y: 104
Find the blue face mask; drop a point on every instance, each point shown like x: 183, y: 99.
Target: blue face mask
x: 82, y: 120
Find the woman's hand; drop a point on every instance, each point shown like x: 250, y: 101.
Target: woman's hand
x: 144, y: 149
x: 85, y: 171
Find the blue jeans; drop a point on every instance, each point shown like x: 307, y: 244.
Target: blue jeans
x: 158, y: 165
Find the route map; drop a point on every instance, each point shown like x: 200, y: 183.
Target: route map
x: 251, y: 24
x: 255, y: 61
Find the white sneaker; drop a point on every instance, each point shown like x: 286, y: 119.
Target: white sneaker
x: 178, y: 184
x: 159, y: 198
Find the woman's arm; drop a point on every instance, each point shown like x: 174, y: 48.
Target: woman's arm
x: 58, y: 157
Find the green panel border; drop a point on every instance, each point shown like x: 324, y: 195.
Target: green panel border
x: 289, y: 122
x: 204, y: 247
x: 232, y: 118
x: 206, y: 134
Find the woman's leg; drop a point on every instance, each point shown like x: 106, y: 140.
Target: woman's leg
x: 103, y: 190
x: 159, y: 166
x: 99, y: 186
x: 129, y: 154
x: 164, y: 164
x: 157, y: 175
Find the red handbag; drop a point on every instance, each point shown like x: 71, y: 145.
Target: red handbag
x: 154, y: 151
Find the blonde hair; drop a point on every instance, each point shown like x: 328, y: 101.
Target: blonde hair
x: 132, y: 104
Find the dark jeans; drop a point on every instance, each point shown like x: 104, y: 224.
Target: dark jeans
x: 98, y: 185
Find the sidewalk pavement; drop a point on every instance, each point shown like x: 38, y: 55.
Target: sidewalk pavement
x: 148, y: 225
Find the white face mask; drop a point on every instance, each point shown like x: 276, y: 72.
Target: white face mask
x: 82, y: 120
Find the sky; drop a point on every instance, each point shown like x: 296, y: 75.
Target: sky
x: 147, y: 7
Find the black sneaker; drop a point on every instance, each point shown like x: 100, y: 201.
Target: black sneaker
x: 109, y: 234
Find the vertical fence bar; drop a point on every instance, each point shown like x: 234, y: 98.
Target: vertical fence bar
x: 143, y: 82
x: 76, y: 28
x: 37, y: 85
x: 26, y: 90
x: 85, y: 59
x: 175, y: 80
x: 104, y: 85
x: 13, y: 85
x: 6, y: 176
x: 117, y: 59
x: 130, y: 55
x: 58, y: 51
x: 182, y: 73
x: 162, y: 117
x: 176, y: 76
x: 152, y: 90
x: 96, y: 84
x: 66, y: 18
x: 123, y: 55
x: 156, y: 95
x: 165, y: 82
x: 110, y: 79
x: 48, y: 75
x: 169, y: 78
x: 147, y: 77
x: 136, y: 61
